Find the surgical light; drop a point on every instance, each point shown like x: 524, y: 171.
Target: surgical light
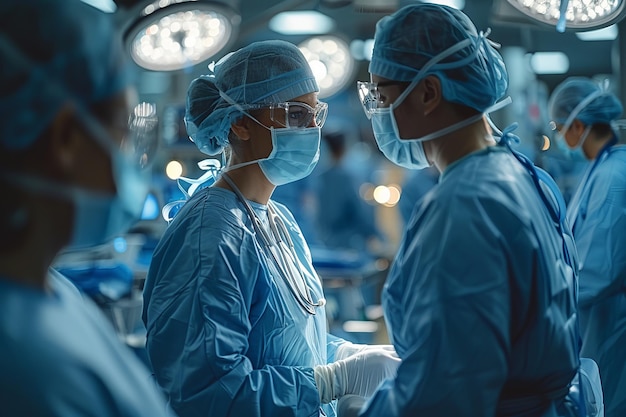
x: 577, y: 14
x: 176, y: 34
x: 306, y: 22
x: 330, y: 61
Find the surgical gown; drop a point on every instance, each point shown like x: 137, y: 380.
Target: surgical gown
x: 226, y: 336
x: 60, y: 357
x: 480, y: 302
x: 597, y: 213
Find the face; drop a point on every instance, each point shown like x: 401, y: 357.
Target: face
x: 405, y: 114
x: 277, y: 117
x: 571, y: 135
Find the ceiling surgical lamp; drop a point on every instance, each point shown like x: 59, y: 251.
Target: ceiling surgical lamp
x: 331, y: 62
x: 176, y: 34
x: 578, y: 15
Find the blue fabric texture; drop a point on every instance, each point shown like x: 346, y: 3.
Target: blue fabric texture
x: 54, y: 52
x: 482, y: 275
x: 266, y: 72
x: 60, y: 357
x: 605, y: 108
x: 225, y: 335
x: 474, y: 76
x: 597, y: 213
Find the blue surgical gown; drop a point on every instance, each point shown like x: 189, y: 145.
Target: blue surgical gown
x: 480, y: 302
x: 226, y: 336
x: 60, y: 357
x: 597, y: 213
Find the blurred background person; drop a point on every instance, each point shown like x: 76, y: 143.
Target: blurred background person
x: 343, y: 219
x: 585, y: 115
x: 73, y: 175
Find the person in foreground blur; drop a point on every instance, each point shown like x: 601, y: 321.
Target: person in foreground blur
x: 232, y: 304
x: 66, y: 182
x: 480, y: 301
x: 585, y: 114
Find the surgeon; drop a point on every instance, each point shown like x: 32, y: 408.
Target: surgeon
x: 68, y: 181
x: 480, y: 301
x: 585, y: 114
x: 233, y: 307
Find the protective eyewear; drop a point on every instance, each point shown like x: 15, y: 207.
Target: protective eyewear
x: 139, y: 141
x: 294, y: 114
x: 370, y: 96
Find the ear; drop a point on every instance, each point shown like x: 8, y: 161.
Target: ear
x: 241, y: 128
x: 432, y: 94
x: 65, y: 140
x: 578, y: 127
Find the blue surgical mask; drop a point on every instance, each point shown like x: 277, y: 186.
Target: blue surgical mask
x: 98, y: 216
x: 295, y: 153
x: 406, y: 153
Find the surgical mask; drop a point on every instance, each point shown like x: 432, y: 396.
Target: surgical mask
x: 295, y: 153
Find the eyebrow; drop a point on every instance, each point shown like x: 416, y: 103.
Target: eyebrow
x: 389, y: 83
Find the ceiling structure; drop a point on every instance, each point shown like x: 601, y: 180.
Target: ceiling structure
x: 507, y: 28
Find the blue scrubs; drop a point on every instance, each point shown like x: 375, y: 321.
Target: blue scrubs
x: 480, y: 302
x: 226, y: 336
x: 597, y: 213
x: 60, y: 357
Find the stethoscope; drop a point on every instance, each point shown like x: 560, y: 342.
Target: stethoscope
x: 279, y: 247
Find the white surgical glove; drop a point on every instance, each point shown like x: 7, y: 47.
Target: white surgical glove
x: 350, y: 405
x: 348, y: 349
x: 358, y: 374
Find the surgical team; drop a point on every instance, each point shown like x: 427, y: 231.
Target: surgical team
x: 502, y: 300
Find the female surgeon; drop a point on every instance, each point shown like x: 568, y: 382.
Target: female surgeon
x: 480, y: 301
x: 66, y: 182
x: 232, y: 304
x: 585, y: 113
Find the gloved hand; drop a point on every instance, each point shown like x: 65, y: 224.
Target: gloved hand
x: 358, y: 374
x: 348, y: 349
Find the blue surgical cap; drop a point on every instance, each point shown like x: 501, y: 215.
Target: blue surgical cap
x: 474, y: 76
x: 601, y: 106
x: 53, y: 52
x: 266, y: 72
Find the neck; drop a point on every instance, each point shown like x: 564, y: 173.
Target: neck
x: 450, y: 148
x: 593, y: 145
x: 251, y: 182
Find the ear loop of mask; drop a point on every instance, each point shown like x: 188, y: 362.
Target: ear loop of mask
x: 244, y: 111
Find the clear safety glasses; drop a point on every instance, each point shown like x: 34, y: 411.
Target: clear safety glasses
x: 139, y: 140
x: 370, y: 96
x: 294, y: 114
